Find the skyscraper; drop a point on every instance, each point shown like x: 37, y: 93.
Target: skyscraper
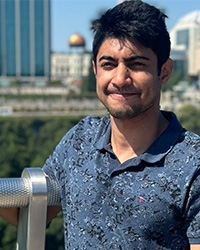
x: 24, y: 40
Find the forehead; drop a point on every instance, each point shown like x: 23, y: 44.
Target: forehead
x: 114, y: 46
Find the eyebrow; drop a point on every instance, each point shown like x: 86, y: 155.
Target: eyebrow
x: 110, y: 58
x: 132, y: 58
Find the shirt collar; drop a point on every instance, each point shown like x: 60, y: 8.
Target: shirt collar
x: 103, y: 138
x: 158, y: 149
x: 165, y: 142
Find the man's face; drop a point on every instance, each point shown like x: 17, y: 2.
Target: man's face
x: 127, y: 78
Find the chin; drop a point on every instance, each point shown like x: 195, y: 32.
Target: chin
x: 125, y: 114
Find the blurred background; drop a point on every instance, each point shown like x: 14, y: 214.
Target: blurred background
x: 47, y: 84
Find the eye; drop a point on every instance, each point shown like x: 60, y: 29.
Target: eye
x: 139, y: 63
x: 107, y: 65
x: 136, y: 65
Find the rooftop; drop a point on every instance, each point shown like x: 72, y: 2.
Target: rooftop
x: 191, y: 18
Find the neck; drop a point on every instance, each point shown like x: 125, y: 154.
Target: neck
x: 132, y: 137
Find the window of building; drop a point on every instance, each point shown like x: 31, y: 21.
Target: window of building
x: 39, y: 38
x: 10, y: 38
x: 183, y: 37
x: 25, y: 38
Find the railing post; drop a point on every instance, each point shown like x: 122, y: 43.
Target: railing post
x: 32, y: 218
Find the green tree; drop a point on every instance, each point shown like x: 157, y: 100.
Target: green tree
x: 89, y: 83
x: 15, y: 82
x: 189, y: 116
x: 174, y: 79
x: 54, y: 234
x: 7, y: 235
x: 55, y: 83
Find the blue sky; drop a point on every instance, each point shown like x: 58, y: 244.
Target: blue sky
x: 74, y: 16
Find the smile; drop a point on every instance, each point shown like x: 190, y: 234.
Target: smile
x: 122, y: 95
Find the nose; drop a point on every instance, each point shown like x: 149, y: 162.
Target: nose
x: 121, y: 77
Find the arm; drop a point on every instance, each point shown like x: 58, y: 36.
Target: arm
x: 195, y: 247
x: 11, y: 214
x: 52, y: 212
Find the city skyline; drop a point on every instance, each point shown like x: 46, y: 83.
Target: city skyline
x: 74, y: 16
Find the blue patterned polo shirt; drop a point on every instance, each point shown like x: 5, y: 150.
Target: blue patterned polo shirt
x: 149, y: 202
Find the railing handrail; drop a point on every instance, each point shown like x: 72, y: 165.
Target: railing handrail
x: 15, y: 192
x: 32, y: 193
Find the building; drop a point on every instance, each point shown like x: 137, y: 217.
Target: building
x: 24, y: 41
x: 185, y: 41
x: 179, y: 57
x: 72, y: 66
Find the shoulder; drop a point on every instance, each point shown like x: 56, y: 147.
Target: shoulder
x: 92, y: 122
x: 191, y: 141
x: 79, y: 138
x: 192, y: 136
x: 186, y: 152
x: 88, y: 125
x: 87, y: 131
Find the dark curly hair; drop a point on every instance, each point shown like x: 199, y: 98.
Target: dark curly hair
x: 134, y: 20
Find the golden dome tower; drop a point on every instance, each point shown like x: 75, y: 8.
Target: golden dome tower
x: 76, y: 40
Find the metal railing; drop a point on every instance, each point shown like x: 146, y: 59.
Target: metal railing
x: 32, y: 193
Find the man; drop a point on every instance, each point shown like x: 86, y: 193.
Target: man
x: 130, y: 180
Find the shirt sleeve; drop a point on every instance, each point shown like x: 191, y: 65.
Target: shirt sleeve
x: 53, y: 165
x: 194, y: 230
x: 193, y: 210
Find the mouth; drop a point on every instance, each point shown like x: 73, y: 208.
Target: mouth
x: 125, y: 95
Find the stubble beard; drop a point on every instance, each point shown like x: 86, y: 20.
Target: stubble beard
x: 125, y: 112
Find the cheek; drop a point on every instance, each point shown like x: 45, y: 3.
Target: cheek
x: 148, y: 83
x: 145, y: 76
x: 99, y: 87
x: 102, y: 81
x: 143, y: 80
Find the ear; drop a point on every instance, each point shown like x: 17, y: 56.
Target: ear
x: 94, y: 67
x: 166, y: 71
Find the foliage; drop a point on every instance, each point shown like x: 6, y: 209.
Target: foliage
x: 189, y: 116
x: 15, y: 82
x: 7, y: 235
x: 89, y: 83
x: 54, y: 235
x: 173, y: 80
x: 55, y: 83
x: 28, y: 142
